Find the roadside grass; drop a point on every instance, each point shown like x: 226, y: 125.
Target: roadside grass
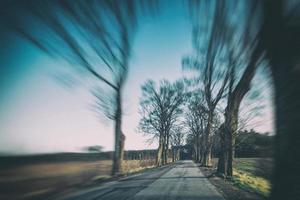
x: 133, y: 166
x: 253, y: 183
x: 251, y: 179
x: 37, y: 180
x: 252, y: 174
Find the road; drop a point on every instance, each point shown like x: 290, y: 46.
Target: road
x: 180, y: 181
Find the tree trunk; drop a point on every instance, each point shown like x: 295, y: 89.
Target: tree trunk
x: 201, y: 155
x: 230, y: 129
x: 201, y: 149
x: 285, y: 182
x: 222, y: 154
x: 167, y: 148
x: 164, y: 150
x: 117, y: 158
x: 163, y: 153
x: 207, y: 156
x: 228, y: 139
x: 178, y: 154
x: 198, y: 148
x: 159, y: 156
x: 195, y: 153
x: 173, y: 154
x: 283, y: 51
x: 281, y: 40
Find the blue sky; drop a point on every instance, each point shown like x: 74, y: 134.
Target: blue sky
x: 39, y: 115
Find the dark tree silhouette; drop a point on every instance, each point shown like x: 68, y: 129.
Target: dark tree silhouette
x: 280, y: 39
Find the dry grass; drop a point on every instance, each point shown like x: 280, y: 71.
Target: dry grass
x: 32, y: 181
x: 131, y: 166
x: 250, y: 182
x: 253, y: 174
x: 251, y: 178
x: 52, y: 170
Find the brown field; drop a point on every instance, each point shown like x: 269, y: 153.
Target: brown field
x: 33, y: 181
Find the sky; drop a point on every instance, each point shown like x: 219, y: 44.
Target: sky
x: 40, y: 115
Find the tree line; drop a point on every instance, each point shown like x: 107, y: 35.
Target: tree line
x: 231, y: 40
x: 161, y: 108
x: 225, y: 58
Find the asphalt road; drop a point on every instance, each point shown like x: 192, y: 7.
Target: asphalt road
x: 180, y: 181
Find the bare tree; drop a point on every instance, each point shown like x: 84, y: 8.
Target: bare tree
x: 209, y: 46
x: 160, y: 110
x: 195, y: 119
x: 238, y: 48
x: 242, y: 53
x: 94, y: 35
x: 177, y: 136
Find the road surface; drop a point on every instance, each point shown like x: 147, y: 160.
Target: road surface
x: 180, y: 181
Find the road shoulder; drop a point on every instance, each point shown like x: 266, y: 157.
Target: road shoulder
x: 227, y: 188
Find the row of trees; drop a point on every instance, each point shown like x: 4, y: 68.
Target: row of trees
x: 174, y: 112
x: 161, y: 109
x: 226, y: 56
x: 253, y: 144
x: 240, y: 36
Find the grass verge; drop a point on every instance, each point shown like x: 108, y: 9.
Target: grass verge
x: 250, y: 179
x: 249, y: 174
x: 250, y: 182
